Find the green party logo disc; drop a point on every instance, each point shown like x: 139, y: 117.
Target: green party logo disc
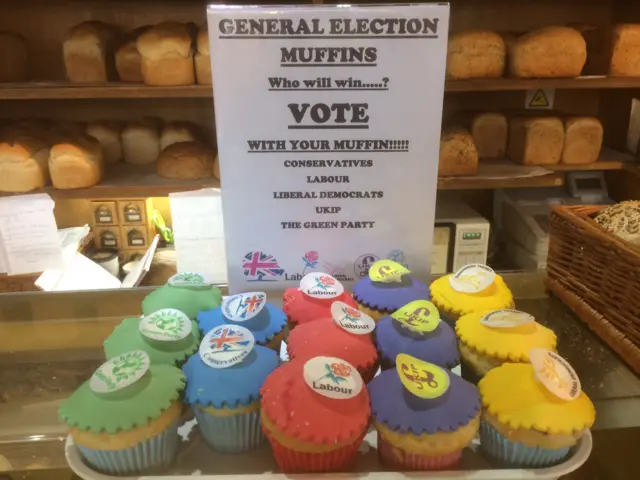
x: 120, y: 372
x: 166, y: 325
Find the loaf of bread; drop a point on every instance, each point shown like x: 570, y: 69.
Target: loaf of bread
x: 625, y: 55
x: 490, y: 132
x: 216, y: 167
x: 582, y: 140
x: 14, y: 66
x: 203, y: 59
x: 23, y: 164
x: 458, y: 154
x: 186, y: 160
x: 475, y: 54
x: 551, y: 52
x: 128, y: 62
x: 76, y: 163
x: 88, y: 52
x: 141, y: 142
x: 176, y: 132
x: 535, y: 140
x: 167, y: 52
x: 108, y: 135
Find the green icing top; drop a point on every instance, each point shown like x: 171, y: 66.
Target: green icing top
x: 124, y: 409
x: 188, y: 299
x: 127, y: 336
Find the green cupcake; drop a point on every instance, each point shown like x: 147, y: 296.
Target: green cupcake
x: 168, y: 337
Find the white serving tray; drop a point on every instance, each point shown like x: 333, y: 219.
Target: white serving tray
x: 195, y: 458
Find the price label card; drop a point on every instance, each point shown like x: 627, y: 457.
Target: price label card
x: 321, y: 285
x: 422, y: 379
x: 351, y: 319
x: 472, y: 278
x: 420, y: 316
x: 555, y: 373
x: 506, y: 318
x: 387, y: 271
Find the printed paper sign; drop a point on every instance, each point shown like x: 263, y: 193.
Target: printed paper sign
x: 328, y: 122
x: 540, y: 99
x: 332, y: 377
x: 226, y: 345
x: 244, y: 306
x: 555, y: 373
x: 472, y: 278
x: 387, y: 271
x: 120, y: 372
x: 351, y: 319
x: 420, y: 316
x: 506, y: 318
x: 423, y: 379
x: 166, y: 325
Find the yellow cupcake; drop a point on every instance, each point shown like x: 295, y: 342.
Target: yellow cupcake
x: 483, y: 347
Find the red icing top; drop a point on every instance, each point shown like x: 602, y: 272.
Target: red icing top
x: 300, y: 413
x: 324, y: 338
x: 301, y: 308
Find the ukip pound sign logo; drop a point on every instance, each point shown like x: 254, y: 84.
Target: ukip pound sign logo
x: 419, y: 378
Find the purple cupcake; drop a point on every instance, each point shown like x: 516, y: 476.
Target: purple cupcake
x: 378, y: 299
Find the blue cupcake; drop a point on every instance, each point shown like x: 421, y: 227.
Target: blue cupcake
x: 223, y: 388
x: 250, y: 310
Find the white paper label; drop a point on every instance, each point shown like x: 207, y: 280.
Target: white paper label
x: 332, y: 377
x: 321, y: 285
x: 506, y: 318
x: 120, y: 372
x: 244, y: 306
x: 226, y: 345
x: 351, y: 319
x: 472, y: 278
x: 555, y: 373
x: 189, y: 279
x: 166, y: 325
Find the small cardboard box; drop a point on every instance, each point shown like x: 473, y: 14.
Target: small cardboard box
x: 107, y: 237
x: 104, y: 212
x: 135, y: 237
x: 135, y: 211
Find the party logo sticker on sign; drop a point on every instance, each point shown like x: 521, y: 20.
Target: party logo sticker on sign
x: 321, y: 285
x: 244, y: 306
x: 351, y: 319
x: 506, y: 318
x: 120, y: 372
x: 555, y: 373
x: 472, y: 278
x: 387, y: 271
x: 420, y: 316
x: 166, y: 325
x: 226, y: 345
x: 332, y: 377
x: 422, y: 379
x: 189, y: 279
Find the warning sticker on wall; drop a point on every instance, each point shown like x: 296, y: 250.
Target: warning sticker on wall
x: 540, y: 99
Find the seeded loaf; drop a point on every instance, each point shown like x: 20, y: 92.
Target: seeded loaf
x: 490, y: 132
x: 582, y: 140
x: 535, y: 140
x: 475, y: 54
x: 186, y: 160
x: 458, y: 154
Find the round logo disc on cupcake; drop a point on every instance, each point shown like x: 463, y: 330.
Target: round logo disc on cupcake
x: 244, y: 306
x: 419, y: 316
x: 321, y: 285
x: 189, y: 279
x: 506, y: 318
x: 555, y: 373
x: 423, y: 379
x: 332, y: 377
x: 120, y: 372
x: 352, y: 320
x: 472, y: 278
x: 167, y: 325
x: 226, y: 345
x: 387, y: 271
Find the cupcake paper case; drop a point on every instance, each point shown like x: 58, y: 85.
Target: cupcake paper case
x: 124, y: 420
x: 226, y: 400
x: 524, y: 424
x: 250, y: 310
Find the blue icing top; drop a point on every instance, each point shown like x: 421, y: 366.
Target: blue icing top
x: 439, y: 346
x: 235, y: 386
x: 264, y: 326
x: 389, y: 296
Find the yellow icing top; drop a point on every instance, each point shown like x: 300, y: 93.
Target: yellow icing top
x: 509, y: 344
x: 513, y: 394
x: 495, y: 296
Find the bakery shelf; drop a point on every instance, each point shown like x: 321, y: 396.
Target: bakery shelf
x: 503, y: 174
x: 511, y: 84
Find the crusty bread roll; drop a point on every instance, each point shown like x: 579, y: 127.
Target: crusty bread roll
x: 625, y: 56
x: 14, y: 66
x: 76, y: 163
x: 128, y: 62
x: 550, y: 52
x: 216, y: 167
x: 203, y: 59
x: 186, y: 160
x: 23, y: 164
x: 582, y: 140
x: 108, y: 135
x: 176, y: 132
x: 88, y: 55
x: 490, y: 132
x: 535, y: 140
x: 475, y: 54
x: 141, y: 142
x: 167, y: 54
x: 458, y: 154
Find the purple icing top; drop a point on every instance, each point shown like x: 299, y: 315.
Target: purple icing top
x: 401, y: 411
x: 439, y: 347
x: 389, y: 296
